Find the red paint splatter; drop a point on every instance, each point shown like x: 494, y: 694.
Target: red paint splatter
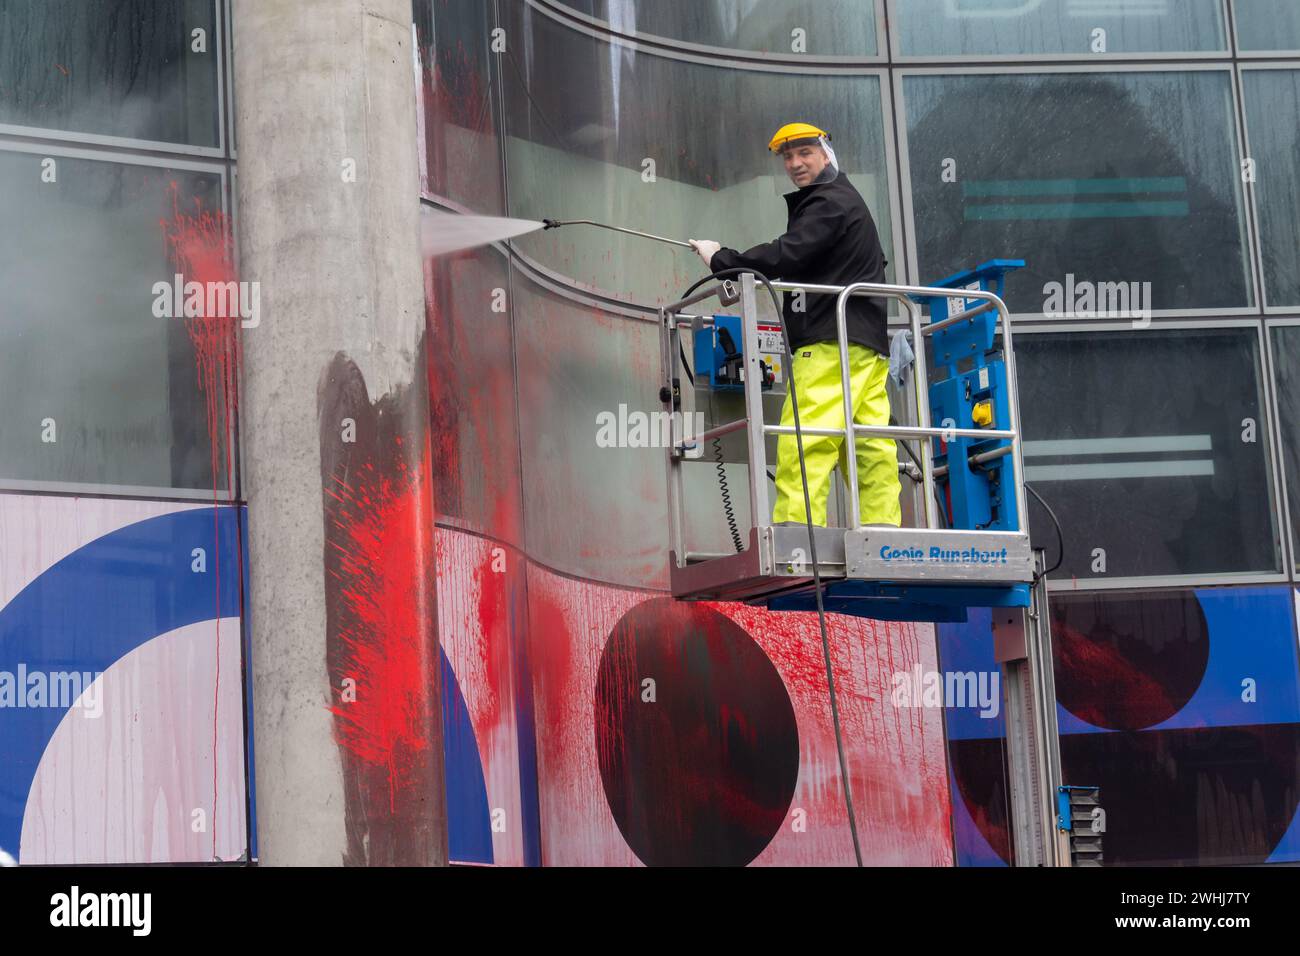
x: 457, y: 129
x: 383, y: 635
x: 380, y: 610
x: 200, y: 247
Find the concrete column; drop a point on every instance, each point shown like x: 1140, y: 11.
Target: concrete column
x: 334, y: 421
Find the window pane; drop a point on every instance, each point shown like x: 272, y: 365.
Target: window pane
x: 79, y: 343
x: 1151, y: 447
x: 829, y: 27
x: 672, y: 148
x: 1286, y: 364
x: 458, y: 116
x: 576, y: 365
x: 1011, y: 27
x: 1268, y: 24
x: 472, y: 394
x: 111, y: 67
x: 1273, y: 128
x: 1122, y: 177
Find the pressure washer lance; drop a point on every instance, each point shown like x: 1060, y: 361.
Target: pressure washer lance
x: 556, y: 223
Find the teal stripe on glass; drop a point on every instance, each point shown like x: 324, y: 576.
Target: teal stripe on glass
x: 1075, y: 187
x: 1077, y: 210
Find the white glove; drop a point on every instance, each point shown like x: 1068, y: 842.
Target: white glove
x: 705, y: 248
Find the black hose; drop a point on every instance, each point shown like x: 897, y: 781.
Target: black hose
x: 812, y: 541
x: 727, y: 509
x: 1060, y: 538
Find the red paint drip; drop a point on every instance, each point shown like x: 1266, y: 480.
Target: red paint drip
x: 200, y: 247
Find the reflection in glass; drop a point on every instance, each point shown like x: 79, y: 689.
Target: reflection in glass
x: 1122, y: 177
x: 1151, y: 447
x: 1027, y: 27
x: 825, y: 28
x: 597, y: 131
x: 1272, y: 99
x: 82, y: 346
x: 1267, y: 25
x: 131, y: 68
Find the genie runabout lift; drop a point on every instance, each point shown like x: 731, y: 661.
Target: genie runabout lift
x: 969, y: 544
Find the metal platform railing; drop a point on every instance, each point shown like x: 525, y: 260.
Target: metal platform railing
x: 831, y: 548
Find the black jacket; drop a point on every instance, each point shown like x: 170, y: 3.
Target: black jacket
x: 830, y: 239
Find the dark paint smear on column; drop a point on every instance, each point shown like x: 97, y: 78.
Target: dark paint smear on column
x: 704, y: 774
x: 380, y: 606
x: 200, y: 247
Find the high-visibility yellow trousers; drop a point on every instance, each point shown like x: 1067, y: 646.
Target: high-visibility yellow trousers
x: 820, y: 392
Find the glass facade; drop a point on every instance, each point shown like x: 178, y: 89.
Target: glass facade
x: 1162, y: 476
x: 104, y: 391
x: 602, y: 132
x: 1267, y: 25
x: 132, y: 69
x: 1009, y: 28
x: 1269, y: 97
x: 1157, y: 438
x: 459, y: 118
x: 827, y: 28
x: 98, y: 389
x: 1286, y: 359
x: 1106, y: 177
x: 123, y: 536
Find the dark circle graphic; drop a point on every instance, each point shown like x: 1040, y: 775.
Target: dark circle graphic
x: 703, y: 774
x: 1204, y: 796
x: 1128, y: 662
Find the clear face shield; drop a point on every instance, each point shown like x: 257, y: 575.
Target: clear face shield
x: 809, y: 161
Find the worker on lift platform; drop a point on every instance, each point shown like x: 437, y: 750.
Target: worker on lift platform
x: 830, y: 239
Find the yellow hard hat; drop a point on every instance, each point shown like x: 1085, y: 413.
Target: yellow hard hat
x: 795, y: 131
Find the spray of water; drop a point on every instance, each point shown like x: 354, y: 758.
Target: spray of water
x: 443, y: 232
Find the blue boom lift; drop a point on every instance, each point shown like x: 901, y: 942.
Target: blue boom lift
x: 969, y: 544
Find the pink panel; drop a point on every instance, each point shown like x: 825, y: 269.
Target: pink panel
x: 896, y: 756
x: 136, y: 783
x: 476, y: 580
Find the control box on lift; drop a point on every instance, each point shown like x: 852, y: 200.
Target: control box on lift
x: 719, y: 359
x: 980, y: 489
